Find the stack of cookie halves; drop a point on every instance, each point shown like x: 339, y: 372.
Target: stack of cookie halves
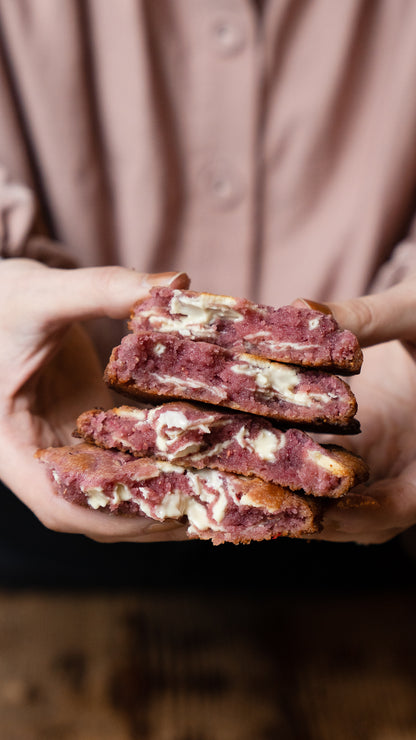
x: 231, y: 390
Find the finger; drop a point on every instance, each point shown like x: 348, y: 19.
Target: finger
x: 32, y: 485
x: 376, y: 318
x: 56, y: 296
x: 63, y: 516
x: 167, y: 531
x: 372, y: 514
x: 106, y: 291
x: 380, y: 317
x: 101, y: 526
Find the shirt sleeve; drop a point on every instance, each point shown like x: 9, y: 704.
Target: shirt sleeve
x: 18, y: 236
x: 401, y: 263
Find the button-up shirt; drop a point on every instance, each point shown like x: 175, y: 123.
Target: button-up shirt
x: 268, y: 149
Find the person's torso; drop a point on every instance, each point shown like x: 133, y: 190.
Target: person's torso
x: 269, y: 155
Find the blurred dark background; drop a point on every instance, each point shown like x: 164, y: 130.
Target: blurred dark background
x: 32, y: 556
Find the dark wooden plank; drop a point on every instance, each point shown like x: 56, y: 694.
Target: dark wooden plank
x: 207, y: 667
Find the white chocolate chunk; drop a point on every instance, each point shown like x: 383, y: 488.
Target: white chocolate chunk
x: 172, y: 506
x: 168, y: 467
x: 327, y: 463
x: 275, y: 377
x: 159, y: 349
x: 96, y: 497
x: 121, y: 492
x: 139, y: 414
x: 292, y: 345
x: 265, y: 445
x: 170, y: 425
x: 314, y: 323
x: 246, y: 500
x: 215, y: 481
x: 203, y: 308
x: 184, y: 383
x: 275, y: 346
x: 257, y: 334
x: 193, y: 315
x: 197, y: 516
x: 178, y: 504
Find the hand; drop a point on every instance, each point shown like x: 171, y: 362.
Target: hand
x: 49, y: 373
x: 386, y: 395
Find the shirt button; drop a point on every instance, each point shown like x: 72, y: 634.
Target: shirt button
x: 229, y: 35
x: 222, y: 183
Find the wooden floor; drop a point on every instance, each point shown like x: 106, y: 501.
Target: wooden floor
x: 207, y: 667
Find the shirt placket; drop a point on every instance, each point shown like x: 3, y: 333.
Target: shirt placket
x: 221, y: 145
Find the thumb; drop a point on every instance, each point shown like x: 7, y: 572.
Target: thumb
x: 380, y: 317
x: 94, y: 292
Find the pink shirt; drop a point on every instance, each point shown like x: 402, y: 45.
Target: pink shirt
x: 269, y: 154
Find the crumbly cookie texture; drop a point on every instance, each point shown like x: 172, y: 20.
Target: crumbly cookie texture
x: 150, y: 365
x: 300, y: 336
x: 198, y: 437
x: 219, y: 506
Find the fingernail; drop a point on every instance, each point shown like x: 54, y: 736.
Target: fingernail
x: 314, y: 305
x: 168, y: 278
